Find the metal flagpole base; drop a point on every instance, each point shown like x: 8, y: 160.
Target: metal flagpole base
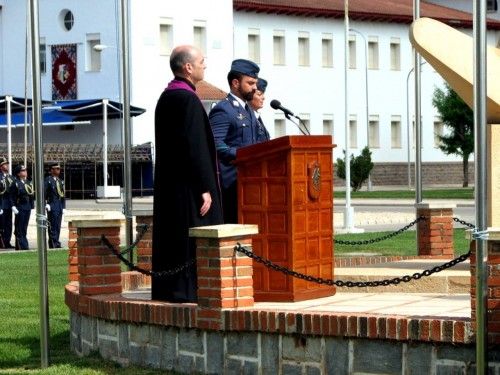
x: 349, y: 223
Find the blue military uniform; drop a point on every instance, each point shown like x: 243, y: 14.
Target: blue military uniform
x: 6, y: 180
x: 234, y: 125
x: 23, y: 201
x: 55, y: 204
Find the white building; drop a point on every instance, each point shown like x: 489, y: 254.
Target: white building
x: 299, y: 47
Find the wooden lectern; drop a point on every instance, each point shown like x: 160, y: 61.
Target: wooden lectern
x: 285, y: 186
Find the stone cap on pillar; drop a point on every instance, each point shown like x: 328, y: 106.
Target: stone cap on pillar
x: 143, y: 212
x: 434, y: 205
x: 224, y: 230
x: 493, y: 234
x: 98, y: 223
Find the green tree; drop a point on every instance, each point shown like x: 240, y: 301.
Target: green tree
x: 361, y: 166
x: 458, y: 117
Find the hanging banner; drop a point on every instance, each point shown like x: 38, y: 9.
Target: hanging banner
x: 64, y: 72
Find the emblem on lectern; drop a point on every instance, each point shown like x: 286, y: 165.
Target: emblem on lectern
x: 314, y: 180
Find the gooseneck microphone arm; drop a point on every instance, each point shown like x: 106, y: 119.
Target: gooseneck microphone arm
x: 275, y: 104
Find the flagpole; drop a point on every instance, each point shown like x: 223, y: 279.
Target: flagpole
x: 41, y: 219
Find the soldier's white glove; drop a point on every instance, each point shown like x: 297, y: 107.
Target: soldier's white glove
x: 15, y: 210
x: 47, y: 207
x: 1, y: 211
x: 64, y: 211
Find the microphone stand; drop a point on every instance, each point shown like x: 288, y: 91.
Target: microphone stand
x: 287, y: 115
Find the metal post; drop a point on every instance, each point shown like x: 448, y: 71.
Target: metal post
x: 418, y: 114
x: 39, y: 193
x: 349, y: 212
x: 480, y: 152
x: 369, y: 182
x: 127, y: 179
x: 408, y: 130
x: 8, y: 101
x: 105, y: 146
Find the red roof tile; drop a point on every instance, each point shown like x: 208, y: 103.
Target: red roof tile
x: 207, y: 91
x: 399, y: 11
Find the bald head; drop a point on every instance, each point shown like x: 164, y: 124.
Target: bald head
x: 188, y: 62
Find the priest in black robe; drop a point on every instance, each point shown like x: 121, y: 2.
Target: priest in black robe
x: 186, y: 189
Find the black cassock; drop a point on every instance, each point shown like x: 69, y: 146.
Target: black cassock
x: 185, y: 168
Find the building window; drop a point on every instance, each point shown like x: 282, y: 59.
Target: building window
x: 67, y: 19
x: 373, y: 132
x: 254, y: 45
x: 43, y: 56
x: 327, y: 51
x: 328, y: 125
x: 395, y: 54
x: 352, y: 52
x: 438, y: 132
x: 93, y: 57
x: 279, y: 127
x: 200, y: 36
x: 396, y: 132
x: 303, y: 48
x: 372, y: 52
x: 279, y: 47
x: 491, y: 6
x: 353, y: 132
x: 166, y: 36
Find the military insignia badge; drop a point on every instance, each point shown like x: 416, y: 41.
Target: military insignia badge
x: 240, y: 116
x: 314, y: 180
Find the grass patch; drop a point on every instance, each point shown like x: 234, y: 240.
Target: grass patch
x: 402, y: 244
x: 459, y: 193
x: 20, y: 323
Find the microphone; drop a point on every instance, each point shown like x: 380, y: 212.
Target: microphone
x: 275, y: 104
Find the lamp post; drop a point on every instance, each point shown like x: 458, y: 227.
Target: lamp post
x: 369, y: 183
x: 408, y: 130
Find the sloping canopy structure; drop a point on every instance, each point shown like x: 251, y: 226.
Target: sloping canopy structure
x: 64, y: 111
x: 92, y: 109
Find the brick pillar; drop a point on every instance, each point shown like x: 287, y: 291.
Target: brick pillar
x: 224, y: 275
x: 98, y: 267
x: 493, y: 283
x: 145, y: 245
x: 72, y: 252
x: 435, y: 233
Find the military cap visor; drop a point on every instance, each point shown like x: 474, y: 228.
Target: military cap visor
x: 246, y: 67
x: 19, y: 168
x: 55, y: 165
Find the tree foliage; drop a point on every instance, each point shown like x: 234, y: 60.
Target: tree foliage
x: 361, y: 166
x: 459, y: 119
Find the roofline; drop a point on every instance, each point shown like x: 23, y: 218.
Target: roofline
x: 353, y: 15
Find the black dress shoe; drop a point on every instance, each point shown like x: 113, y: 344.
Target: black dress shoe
x: 9, y: 246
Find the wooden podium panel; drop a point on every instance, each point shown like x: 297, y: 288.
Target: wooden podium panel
x: 285, y: 186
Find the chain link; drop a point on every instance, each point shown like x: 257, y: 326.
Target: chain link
x: 382, y: 238
x: 143, y: 228
x: 350, y: 284
x: 132, y: 266
x: 464, y: 223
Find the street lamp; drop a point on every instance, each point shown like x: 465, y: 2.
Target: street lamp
x: 369, y: 183
x: 408, y: 133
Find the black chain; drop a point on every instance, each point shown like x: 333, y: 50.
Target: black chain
x: 382, y: 238
x: 350, y: 284
x: 132, y: 266
x: 143, y: 228
x: 464, y: 223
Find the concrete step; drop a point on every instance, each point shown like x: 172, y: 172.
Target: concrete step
x: 450, y: 281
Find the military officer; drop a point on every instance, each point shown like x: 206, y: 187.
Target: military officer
x: 23, y: 201
x: 234, y: 125
x: 258, y: 102
x: 6, y: 180
x: 55, y: 204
